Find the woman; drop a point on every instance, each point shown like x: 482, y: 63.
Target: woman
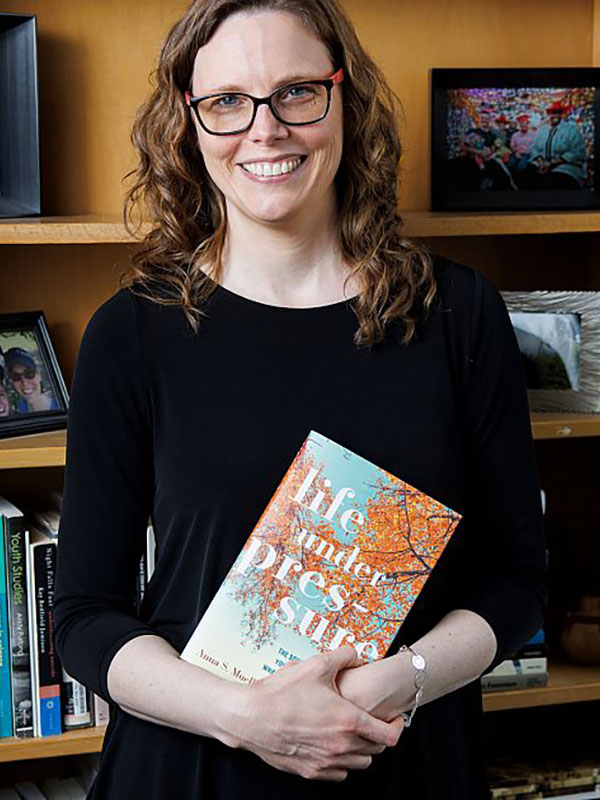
x: 275, y: 233
x: 27, y: 382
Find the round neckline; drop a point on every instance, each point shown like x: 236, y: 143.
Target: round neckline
x: 249, y: 302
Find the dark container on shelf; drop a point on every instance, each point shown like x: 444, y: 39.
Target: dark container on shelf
x: 20, y: 194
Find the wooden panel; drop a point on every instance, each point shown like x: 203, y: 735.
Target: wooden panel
x: 87, y: 740
x: 109, y: 228
x: 94, y: 75
x: 67, y: 283
x: 568, y: 683
x: 34, y: 450
x: 547, y: 425
x: 48, y: 449
x: 408, y: 38
x: 83, y: 229
x: 430, y: 224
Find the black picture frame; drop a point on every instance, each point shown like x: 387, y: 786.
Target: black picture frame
x: 20, y: 184
x: 452, y: 189
x: 26, y: 348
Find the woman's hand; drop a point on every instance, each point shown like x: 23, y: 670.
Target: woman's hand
x: 297, y: 721
x: 384, y: 688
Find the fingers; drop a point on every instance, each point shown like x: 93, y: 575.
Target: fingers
x: 376, y: 730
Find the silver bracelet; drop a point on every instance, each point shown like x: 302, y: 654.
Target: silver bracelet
x: 419, y: 664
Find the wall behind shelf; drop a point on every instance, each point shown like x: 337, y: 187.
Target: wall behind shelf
x: 95, y: 58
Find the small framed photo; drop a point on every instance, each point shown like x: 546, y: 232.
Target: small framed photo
x: 33, y: 394
x: 517, y: 139
x: 559, y: 339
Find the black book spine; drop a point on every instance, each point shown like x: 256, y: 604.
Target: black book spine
x: 49, y: 668
x: 16, y: 584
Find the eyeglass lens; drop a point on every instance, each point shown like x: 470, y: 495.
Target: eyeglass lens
x: 303, y: 103
x: 18, y: 376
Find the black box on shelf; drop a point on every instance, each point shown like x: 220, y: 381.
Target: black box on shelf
x: 20, y: 194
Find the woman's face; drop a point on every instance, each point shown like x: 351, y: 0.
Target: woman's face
x: 257, y: 53
x: 26, y: 380
x: 4, y: 402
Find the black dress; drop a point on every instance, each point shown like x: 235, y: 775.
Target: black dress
x: 199, y: 430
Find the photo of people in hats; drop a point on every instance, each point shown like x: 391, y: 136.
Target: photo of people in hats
x: 518, y: 139
x: 24, y: 384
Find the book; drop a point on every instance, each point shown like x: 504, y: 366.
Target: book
x: 521, y: 666
x: 77, y: 703
x: 16, y: 538
x: 497, y: 683
x: 6, y: 715
x: 101, y: 710
x: 338, y: 556
x: 46, y: 670
x: 29, y: 791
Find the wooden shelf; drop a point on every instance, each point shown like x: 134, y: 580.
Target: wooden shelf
x: 493, y: 223
x: 552, y: 425
x: 568, y: 683
x: 34, y: 450
x: 89, y: 229
x: 86, y: 740
x: 109, y: 229
x: 48, y: 449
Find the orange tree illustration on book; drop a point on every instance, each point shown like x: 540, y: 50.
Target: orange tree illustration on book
x: 338, y: 561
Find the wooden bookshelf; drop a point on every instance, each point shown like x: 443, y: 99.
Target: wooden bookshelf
x: 552, y: 425
x: 568, y: 683
x: 86, y: 740
x: 33, y: 450
x: 489, y: 223
x: 109, y: 228
x: 48, y: 449
x: 83, y: 229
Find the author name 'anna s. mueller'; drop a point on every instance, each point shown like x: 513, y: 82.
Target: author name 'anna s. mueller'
x: 317, y: 573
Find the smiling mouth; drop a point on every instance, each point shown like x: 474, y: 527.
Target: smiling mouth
x: 268, y: 169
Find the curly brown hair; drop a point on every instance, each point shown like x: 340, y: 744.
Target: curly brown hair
x: 187, y: 211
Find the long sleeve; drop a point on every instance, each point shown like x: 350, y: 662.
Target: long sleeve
x: 107, y: 496
x: 503, y: 514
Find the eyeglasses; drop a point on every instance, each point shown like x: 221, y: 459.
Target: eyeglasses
x: 28, y: 373
x: 303, y: 103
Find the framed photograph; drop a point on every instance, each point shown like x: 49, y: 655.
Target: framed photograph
x: 19, y: 130
x: 505, y: 139
x: 559, y: 339
x: 33, y: 395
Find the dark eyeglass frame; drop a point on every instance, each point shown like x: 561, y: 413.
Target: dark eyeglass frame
x: 28, y: 373
x: 328, y: 83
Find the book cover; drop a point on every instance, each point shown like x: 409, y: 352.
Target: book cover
x: 76, y: 703
x: 15, y: 543
x: 497, y: 683
x: 339, y: 556
x: 6, y: 717
x: 46, y: 668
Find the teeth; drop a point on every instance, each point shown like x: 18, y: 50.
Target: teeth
x: 267, y: 168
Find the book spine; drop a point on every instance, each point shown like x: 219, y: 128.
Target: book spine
x: 6, y: 716
x: 101, y: 711
x: 15, y: 545
x: 140, y: 583
x: 44, y: 560
x: 76, y: 704
x: 493, y: 683
x: 521, y: 666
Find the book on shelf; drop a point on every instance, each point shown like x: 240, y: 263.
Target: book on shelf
x: 526, y: 667
x: 46, y: 668
x: 146, y: 566
x: 7, y: 513
x: 78, y: 711
x: 338, y: 556
x: 16, y: 542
